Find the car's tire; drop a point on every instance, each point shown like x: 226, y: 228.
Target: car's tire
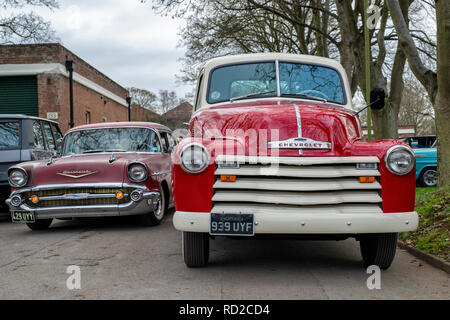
x: 378, y: 249
x: 41, y: 224
x: 155, y: 217
x: 428, y: 177
x: 195, y: 247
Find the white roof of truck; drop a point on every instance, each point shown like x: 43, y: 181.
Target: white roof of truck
x: 271, y: 56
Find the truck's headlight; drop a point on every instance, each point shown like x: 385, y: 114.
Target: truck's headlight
x: 400, y: 160
x: 194, y: 158
x: 18, y: 178
x: 137, y: 172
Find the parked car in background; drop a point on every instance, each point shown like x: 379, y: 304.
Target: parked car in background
x: 104, y: 169
x: 24, y: 138
x: 275, y: 151
x: 426, y: 166
x: 419, y: 142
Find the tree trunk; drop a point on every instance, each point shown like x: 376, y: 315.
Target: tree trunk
x: 386, y: 120
x: 442, y: 104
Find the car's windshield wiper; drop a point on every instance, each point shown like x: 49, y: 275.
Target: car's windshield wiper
x: 306, y: 96
x: 252, y: 95
x: 92, y: 151
x: 115, y: 150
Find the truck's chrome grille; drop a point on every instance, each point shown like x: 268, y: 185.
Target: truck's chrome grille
x: 296, y: 183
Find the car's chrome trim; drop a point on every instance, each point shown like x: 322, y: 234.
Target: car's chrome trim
x: 88, y: 196
x: 143, y: 206
x: 140, y: 163
x: 21, y: 169
x: 161, y: 173
x: 80, y: 185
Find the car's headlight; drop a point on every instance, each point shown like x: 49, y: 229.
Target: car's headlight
x: 194, y: 158
x: 18, y: 178
x: 137, y: 172
x: 400, y: 160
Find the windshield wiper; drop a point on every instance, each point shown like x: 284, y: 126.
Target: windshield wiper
x: 92, y: 151
x: 306, y: 96
x: 252, y: 95
x: 115, y: 150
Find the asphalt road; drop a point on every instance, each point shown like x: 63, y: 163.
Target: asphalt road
x: 119, y: 259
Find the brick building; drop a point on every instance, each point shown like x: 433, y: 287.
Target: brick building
x: 34, y: 81
x: 178, y: 116
x: 141, y: 114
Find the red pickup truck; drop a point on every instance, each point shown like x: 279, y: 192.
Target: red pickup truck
x: 275, y: 150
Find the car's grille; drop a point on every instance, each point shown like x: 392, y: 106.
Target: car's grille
x: 296, y: 184
x: 100, y: 196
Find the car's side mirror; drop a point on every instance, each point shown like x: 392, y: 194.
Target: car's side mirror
x: 58, y: 145
x: 377, y: 96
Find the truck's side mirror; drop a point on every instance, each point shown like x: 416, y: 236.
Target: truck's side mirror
x: 377, y: 96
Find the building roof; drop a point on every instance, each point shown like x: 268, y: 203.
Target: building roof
x: 35, y: 59
x: 152, y: 125
x: 22, y: 116
x: 180, y: 110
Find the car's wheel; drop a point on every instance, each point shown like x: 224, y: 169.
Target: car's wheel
x: 378, y: 249
x: 428, y: 177
x: 155, y: 217
x: 195, y: 246
x: 42, y: 224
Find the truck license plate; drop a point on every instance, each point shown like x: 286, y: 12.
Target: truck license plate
x: 232, y: 224
x: 22, y: 216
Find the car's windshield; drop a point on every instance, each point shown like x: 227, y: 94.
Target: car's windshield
x: 9, y: 135
x: 257, y: 80
x: 111, y: 140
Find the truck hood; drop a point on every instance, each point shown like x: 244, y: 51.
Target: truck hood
x: 93, y: 168
x: 287, y: 119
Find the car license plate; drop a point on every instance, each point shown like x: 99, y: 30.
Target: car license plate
x: 232, y: 224
x: 22, y: 216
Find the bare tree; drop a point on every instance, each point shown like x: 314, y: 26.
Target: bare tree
x: 330, y: 28
x: 436, y: 83
x: 416, y: 109
x: 143, y: 98
x: 167, y: 100
x: 25, y: 27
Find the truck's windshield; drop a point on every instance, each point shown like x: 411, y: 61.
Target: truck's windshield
x: 295, y: 80
x: 111, y: 140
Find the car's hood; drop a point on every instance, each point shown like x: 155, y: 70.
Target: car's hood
x: 315, y: 121
x: 425, y: 154
x: 92, y: 168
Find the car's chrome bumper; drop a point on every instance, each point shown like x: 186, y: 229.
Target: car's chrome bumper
x: 309, y: 223
x: 147, y: 202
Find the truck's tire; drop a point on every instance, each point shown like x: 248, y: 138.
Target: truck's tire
x: 42, y: 224
x: 195, y: 247
x: 378, y: 249
x: 155, y: 217
x: 428, y: 177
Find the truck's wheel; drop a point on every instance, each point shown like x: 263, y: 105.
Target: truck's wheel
x: 378, y: 249
x: 42, y: 224
x: 195, y: 246
x: 428, y: 177
x: 155, y: 217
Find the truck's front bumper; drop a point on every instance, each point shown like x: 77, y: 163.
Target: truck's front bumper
x: 309, y: 223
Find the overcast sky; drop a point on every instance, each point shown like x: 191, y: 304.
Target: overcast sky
x: 124, y: 39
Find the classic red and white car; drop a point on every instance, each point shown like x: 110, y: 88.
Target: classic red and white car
x: 276, y: 150
x: 104, y: 169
